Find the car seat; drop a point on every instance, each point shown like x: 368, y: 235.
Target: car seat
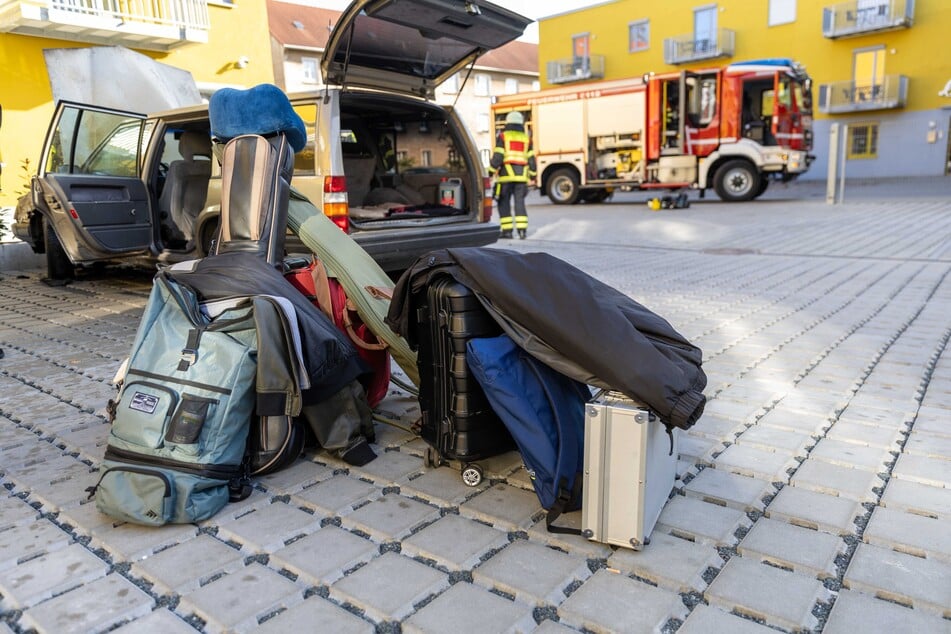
x: 186, y: 184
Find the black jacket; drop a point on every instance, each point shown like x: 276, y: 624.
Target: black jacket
x: 571, y: 321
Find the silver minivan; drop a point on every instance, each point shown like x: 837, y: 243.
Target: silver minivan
x: 113, y: 185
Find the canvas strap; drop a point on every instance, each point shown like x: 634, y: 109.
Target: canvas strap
x: 565, y: 497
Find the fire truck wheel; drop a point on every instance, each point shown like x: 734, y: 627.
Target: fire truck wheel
x: 764, y: 183
x: 563, y: 187
x: 737, y: 181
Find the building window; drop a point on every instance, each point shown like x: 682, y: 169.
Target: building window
x: 638, y: 36
x: 401, y: 156
x: 511, y: 86
x: 781, y: 12
x: 482, y: 120
x: 863, y: 140
x: 483, y: 85
x: 868, y: 74
x: 486, y: 155
x: 581, y: 58
x: 452, y: 84
x: 536, y: 85
x: 426, y: 158
x: 311, y: 74
x: 705, y: 29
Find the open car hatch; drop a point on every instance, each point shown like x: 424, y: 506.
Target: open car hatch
x: 411, y: 46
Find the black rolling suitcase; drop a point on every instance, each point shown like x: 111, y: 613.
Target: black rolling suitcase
x: 457, y: 420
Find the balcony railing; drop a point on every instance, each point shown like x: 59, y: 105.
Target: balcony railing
x: 849, y: 96
x: 863, y: 16
x: 684, y: 49
x: 158, y: 25
x: 562, y: 71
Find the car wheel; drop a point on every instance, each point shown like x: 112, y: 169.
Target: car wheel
x: 737, y: 181
x: 563, y: 187
x: 58, y: 266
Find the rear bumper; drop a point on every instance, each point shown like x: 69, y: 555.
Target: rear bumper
x: 397, y: 249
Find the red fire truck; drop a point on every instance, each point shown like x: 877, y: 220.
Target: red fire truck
x: 731, y: 128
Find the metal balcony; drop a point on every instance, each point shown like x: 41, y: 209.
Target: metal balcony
x: 563, y: 71
x: 158, y: 25
x: 864, y: 16
x: 685, y: 49
x: 848, y: 96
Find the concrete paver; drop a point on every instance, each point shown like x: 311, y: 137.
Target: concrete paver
x: 454, y: 542
x: 670, y: 562
x: 832, y: 479
x: 824, y: 331
x: 267, y: 529
x: 729, y: 489
x: 391, y: 517
x: 372, y: 588
x: 913, y: 534
x: 930, y: 445
x: 185, y: 566
x: 55, y: 573
x: 236, y: 602
x: 26, y: 541
x: 315, y: 613
x: 701, y: 521
x: 503, y: 506
x: 924, y: 470
x: 467, y: 608
x: 610, y: 602
x: 920, y: 499
x: 848, y: 454
x: 705, y: 619
x: 97, y: 606
x: 532, y: 573
x: 788, y: 546
x: 157, y: 622
x: 753, y: 588
x: 924, y: 584
x: 337, y: 495
x: 806, y: 508
x: 757, y: 463
x: 857, y: 612
x: 339, y: 551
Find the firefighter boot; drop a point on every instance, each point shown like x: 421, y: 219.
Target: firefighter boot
x: 522, y: 233
x: 506, y: 235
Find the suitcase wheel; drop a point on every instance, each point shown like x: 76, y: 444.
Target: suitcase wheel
x: 472, y: 474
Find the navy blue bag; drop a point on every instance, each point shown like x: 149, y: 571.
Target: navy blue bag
x: 544, y: 411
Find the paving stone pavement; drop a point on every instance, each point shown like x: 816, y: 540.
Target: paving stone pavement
x: 815, y: 492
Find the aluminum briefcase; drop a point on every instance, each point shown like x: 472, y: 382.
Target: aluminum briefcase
x: 630, y: 464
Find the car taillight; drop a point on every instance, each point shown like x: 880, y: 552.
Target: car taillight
x: 336, y: 206
x: 487, y: 199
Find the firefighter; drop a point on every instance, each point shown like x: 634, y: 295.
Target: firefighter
x: 513, y: 165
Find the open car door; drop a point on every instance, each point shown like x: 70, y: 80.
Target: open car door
x: 412, y: 46
x: 90, y: 177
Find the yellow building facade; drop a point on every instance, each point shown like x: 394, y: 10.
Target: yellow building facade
x: 878, y: 66
x: 222, y: 43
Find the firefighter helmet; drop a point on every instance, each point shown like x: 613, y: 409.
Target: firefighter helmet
x: 515, y: 117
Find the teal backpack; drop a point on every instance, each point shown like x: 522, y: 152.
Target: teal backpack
x: 176, y: 451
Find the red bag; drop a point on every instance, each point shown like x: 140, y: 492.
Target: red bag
x: 327, y: 294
